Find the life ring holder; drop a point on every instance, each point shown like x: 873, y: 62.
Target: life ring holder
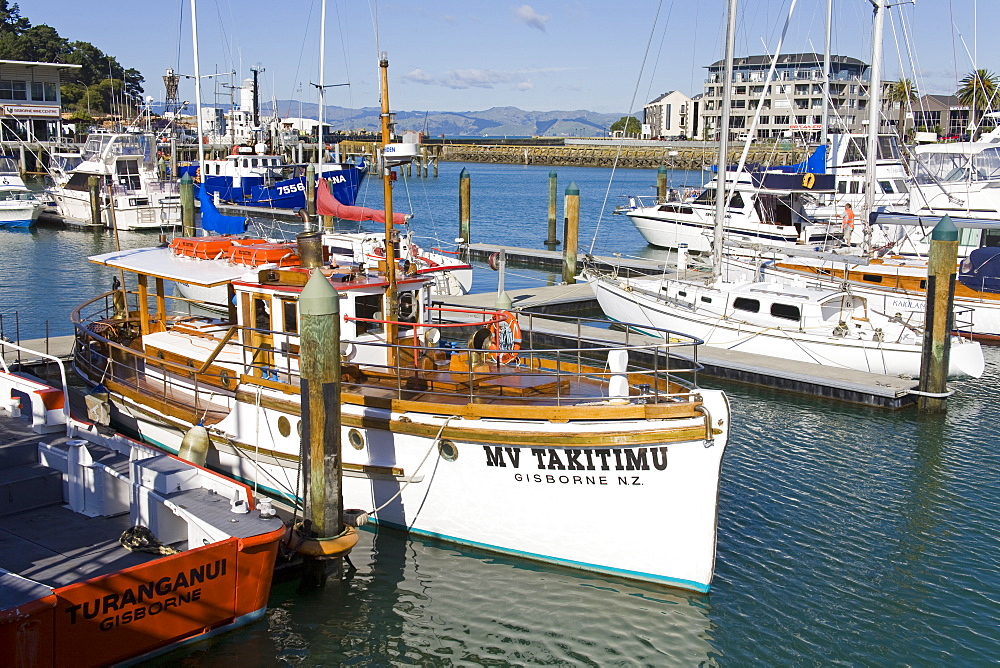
x: 505, y: 337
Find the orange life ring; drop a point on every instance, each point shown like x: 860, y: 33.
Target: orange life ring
x: 505, y: 337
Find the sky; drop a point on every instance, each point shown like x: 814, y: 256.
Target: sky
x: 471, y: 55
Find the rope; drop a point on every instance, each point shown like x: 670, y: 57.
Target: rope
x: 434, y: 443
x: 141, y: 539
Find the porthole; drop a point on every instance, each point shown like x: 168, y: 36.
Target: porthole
x: 356, y: 439
x: 448, y: 450
x: 284, y: 426
x: 224, y: 377
x: 298, y: 428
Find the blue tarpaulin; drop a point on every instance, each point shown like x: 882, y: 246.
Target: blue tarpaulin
x: 216, y: 223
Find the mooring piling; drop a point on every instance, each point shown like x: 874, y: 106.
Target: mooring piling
x: 571, y: 231
x: 942, y: 261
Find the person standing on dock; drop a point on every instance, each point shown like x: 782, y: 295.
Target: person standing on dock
x: 848, y: 225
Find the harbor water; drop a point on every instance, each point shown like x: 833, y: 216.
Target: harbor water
x: 847, y: 535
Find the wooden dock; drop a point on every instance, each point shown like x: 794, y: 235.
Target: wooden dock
x: 814, y: 380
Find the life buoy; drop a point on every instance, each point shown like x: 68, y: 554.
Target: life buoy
x: 808, y: 180
x: 197, y: 175
x: 505, y: 338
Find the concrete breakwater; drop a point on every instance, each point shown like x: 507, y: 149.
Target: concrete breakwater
x: 673, y: 157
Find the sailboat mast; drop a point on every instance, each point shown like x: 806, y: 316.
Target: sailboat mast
x: 197, y: 89
x: 320, y: 144
x: 874, y: 109
x: 392, y: 312
x: 825, y: 131
x: 727, y: 95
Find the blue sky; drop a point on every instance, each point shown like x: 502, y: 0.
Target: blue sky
x: 544, y: 55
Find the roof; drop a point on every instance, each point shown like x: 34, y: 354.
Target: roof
x: 162, y: 263
x: 32, y: 63
x: 789, y: 59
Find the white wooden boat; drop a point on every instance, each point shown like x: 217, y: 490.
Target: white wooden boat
x: 515, y: 441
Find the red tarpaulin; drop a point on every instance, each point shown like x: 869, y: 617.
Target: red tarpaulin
x: 327, y: 205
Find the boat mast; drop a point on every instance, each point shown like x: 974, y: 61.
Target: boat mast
x: 874, y: 109
x: 197, y: 90
x: 320, y: 144
x: 392, y: 310
x: 825, y: 131
x: 727, y: 94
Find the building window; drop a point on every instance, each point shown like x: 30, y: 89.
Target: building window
x: 801, y: 89
x: 43, y: 91
x: 765, y: 120
x: 781, y: 120
x: 801, y: 120
x: 13, y: 90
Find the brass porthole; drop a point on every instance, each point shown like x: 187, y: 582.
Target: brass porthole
x: 448, y: 450
x: 298, y: 428
x: 356, y: 439
x: 224, y: 377
x: 284, y: 426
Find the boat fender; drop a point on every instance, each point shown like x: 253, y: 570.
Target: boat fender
x: 320, y: 548
x: 194, y: 446
x: 506, y: 338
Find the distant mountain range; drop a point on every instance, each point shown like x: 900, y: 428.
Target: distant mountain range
x: 498, y: 121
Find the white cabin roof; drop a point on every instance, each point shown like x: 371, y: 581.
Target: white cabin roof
x: 162, y: 263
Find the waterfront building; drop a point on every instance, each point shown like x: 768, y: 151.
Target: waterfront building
x: 667, y: 117
x: 30, y: 100
x: 942, y: 114
x: 793, y: 103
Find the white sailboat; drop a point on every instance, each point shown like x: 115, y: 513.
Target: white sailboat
x: 742, y: 310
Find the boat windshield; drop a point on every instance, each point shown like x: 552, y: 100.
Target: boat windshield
x: 65, y: 161
x: 982, y: 166
x: 8, y: 165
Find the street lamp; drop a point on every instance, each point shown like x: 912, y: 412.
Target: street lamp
x: 86, y: 91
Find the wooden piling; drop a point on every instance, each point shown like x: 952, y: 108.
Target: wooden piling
x: 464, y: 206
x: 311, y: 189
x: 552, y: 240
x: 94, y: 186
x: 661, y: 184
x: 571, y: 209
x: 187, y: 206
x: 941, y: 270
x: 319, y: 330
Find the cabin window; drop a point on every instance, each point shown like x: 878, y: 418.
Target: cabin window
x: 871, y: 278
x: 289, y: 321
x: 855, y: 187
x: 886, y: 187
x: 682, y: 293
x: 744, y: 304
x: 901, y: 186
x: 128, y: 173
x: 254, y: 162
x: 923, y: 284
x: 785, y: 311
x: 368, y: 306
x: 707, y: 300
x: 842, y: 187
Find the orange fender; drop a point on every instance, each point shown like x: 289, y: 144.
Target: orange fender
x: 322, y: 548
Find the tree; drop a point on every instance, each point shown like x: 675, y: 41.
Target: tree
x: 629, y: 126
x: 978, y: 90
x: 904, y: 92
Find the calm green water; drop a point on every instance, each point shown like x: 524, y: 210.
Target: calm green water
x: 847, y: 536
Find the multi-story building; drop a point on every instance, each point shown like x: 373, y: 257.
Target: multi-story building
x: 942, y: 114
x: 30, y: 100
x: 668, y: 116
x: 793, y: 103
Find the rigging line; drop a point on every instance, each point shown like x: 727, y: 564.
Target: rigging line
x: 417, y: 470
x: 631, y: 107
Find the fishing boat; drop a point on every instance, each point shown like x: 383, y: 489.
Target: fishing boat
x: 129, y: 194
x: 111, y: 550
x: 478, y: 426
x: 19, y: 207
x: 252, y: 177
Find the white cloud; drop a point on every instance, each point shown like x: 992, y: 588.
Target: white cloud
x: 527, y: 15
x: 419, y: 76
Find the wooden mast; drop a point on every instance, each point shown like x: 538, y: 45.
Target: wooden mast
x: 391, y: 294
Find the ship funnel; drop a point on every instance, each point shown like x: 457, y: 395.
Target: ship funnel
x: 310, y: 249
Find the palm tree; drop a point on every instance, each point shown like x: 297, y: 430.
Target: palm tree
x: 904, y: 92
x: 978, y: 90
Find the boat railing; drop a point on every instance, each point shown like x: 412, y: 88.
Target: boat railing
x: 564, y: 365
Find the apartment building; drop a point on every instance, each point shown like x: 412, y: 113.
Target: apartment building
x: 793, y: 103
x: 668, y: 116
